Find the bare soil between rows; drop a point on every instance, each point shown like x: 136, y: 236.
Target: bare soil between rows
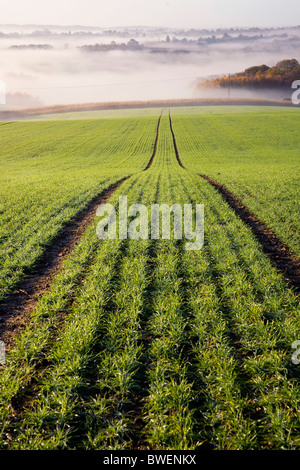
x: 155, y: 144
x: 279, y: 253
x: 15, y: 310
x: 286, y: 262
x: 16, y: 307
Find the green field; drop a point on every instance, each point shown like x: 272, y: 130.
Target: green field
x: 142, y: 344
x: 256, y: 156
x: 51, y: 170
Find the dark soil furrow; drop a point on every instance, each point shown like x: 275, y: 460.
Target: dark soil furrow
x: 175, y: 144
x: 281, y: 256
x: 23, y: 300
x: 279, y: 253
x: 155, y: 144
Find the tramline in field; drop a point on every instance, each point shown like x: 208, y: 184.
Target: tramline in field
x: 143, y: 344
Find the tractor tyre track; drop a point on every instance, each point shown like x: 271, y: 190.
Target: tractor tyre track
x: 286, y: 262
x: 279, y: 253
x: 15, y: 309
x: 175, y: 144
x: 155, y: 144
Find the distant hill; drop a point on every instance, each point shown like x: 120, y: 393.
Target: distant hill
x: 25, y: 113
x: 282, y: 75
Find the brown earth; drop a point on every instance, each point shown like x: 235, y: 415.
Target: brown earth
x: 15, y: 309
x: 279, y: 253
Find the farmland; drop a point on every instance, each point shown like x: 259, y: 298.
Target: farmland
x: 142, y: 344
x: 256, y: 156
x: 50, y: 171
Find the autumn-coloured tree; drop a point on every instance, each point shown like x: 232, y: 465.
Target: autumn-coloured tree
x: 282, y: 75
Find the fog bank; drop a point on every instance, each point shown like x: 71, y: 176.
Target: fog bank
x: 55, y: 65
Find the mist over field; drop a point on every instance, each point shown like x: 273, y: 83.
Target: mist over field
x: 48, y: 65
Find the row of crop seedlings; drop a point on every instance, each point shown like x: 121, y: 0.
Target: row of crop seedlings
x: 102, y: 420
x: 131, y: 144
x: 141, y: 143
x: 33, y: 345
x: 157, y: 391
x: 209, y: 145
x: 110, y: 421
x: 34, y: 214
x: 168, y: 416
x: 194, y: 343
x: 261, y: 316
x: 210, y: 388
x: 36, y: 342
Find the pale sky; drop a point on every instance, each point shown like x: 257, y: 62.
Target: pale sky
x: 173, y: 13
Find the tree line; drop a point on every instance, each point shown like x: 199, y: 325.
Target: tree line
x: 282, y: 75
